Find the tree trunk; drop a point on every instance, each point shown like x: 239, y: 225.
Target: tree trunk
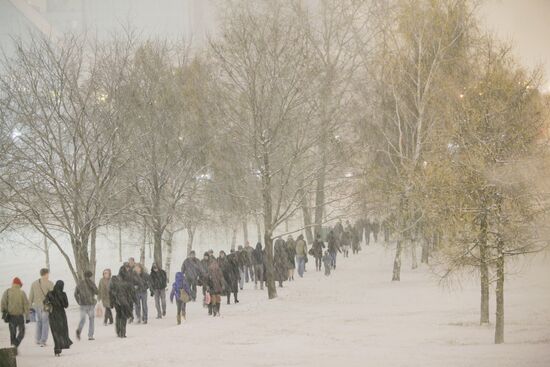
x: 270, y: 275
x: 397, y: 261
x: 268, y: 226
x: 258, y: 228
x: 143, y: 243
x: 93, y: 257
x: 424, y: 257
x: 499, y: 328
x: 157, y: 245
x: 119, y: 243
x: 169, y: 239
x: 190, y: 238
x: 484, y: 271
x: 414, y: 260
x: 245, y: 231
x: 47, y: 252
x: 307, y: 218
x: 233, y: 238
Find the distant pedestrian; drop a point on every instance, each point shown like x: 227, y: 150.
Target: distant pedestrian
x: 15, y: 311
x: 103, y: 296
x: 317, y: 248
x: 58, y: 318
x: 159, y: 282
x: 280, y: 261
x: 141, y: 286
x: 216, y: 286
x: 84, y: 295
x: 333, y: 248
x: 181, y: 291
x: 122, y: 296
x: 327, y: 262
x: 258, y: 261
x: 291, y: 252
x: 301, y: 255
x: 38, y: 292
x: 192, y: 269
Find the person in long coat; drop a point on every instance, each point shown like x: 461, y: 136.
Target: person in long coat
x: 235, y: 279
x: 228, y: 275
x: 103, y: 296
x: 280, y: 261
x: 317, y: 248
x: 216, y: 286
x: 122, y: 295
x: 291, y: 252
x: 59, y: 327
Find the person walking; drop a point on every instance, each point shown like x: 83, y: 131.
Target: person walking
x: 103, y: 296
x: 141, y: 285
x: 318, y: 246
x: 181, y: 291
x: 15, y: 309
x: 122, y: 296
x: 216, y: 286
x: 249, y: 266
x: 327, y: 262
x: 234, y: 277
x: 159, y: 282
x: 333, y: 248
x: 242, y: 262
x: 58, y: 300
x: 84, y: 295
x: 38, y: 292
x: 280, y: 261
x: 291, y: 252
x: 192, y: 269
x: 258, y: 262
x: 301, y: 255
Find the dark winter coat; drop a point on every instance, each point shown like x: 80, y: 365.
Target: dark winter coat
x: 85, y: 292
x: 258, y: 255
x: 58, y: 318
x: 291, y: 252
x: 158, y: 279
x: 216, y: 281
x: 192, y: 268
x: 243, y: 258
x: 228, y: 274
x: 233, y: 260
x: 249, y: 250
x: 142, y: 282
x: 280, y: 261
x: 333, y: 245
x: 103, y: 292
x: 122, y: 294
x: 179, y: 284
x: 318, y: 246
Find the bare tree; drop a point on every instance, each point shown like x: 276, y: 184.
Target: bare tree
x: 68, y: 150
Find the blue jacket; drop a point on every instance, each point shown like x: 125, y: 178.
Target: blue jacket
x: 178, y: 285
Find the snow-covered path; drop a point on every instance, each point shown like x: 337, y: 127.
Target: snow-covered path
x: 356, y: 317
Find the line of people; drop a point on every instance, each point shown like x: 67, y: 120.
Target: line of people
x: 127, y: 292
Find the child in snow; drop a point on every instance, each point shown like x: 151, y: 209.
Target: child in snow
x: 182, y: 292
x: 327, y: 261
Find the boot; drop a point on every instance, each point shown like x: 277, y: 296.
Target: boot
x: 183, y: 316
x: 218, y: 309
x: 236, y: 300
x: 214, y: 310
x: 179, y: 319
x: 210, y: 309
x: 229, y: 298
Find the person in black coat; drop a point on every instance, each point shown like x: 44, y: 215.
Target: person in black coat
x: 193, y: 270
x: 121, y: 293
x: 280, y: 261
x: 258, y: 262
x: 228, y: 275
x: 58, y: 300
x: 159, y: 282
x: 233, y: 260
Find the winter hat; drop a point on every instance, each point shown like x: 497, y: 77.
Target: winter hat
x: 17, y: 281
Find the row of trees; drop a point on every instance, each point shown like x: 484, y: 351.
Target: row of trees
x: 401, y: 109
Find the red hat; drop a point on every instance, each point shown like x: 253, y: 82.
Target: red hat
x: 17, y: 281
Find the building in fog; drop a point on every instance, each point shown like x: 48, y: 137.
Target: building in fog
x: 172, y: 19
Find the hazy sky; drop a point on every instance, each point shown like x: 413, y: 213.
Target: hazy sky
x: 527, y: 24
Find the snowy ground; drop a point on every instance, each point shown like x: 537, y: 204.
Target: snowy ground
x: 357, y: 317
